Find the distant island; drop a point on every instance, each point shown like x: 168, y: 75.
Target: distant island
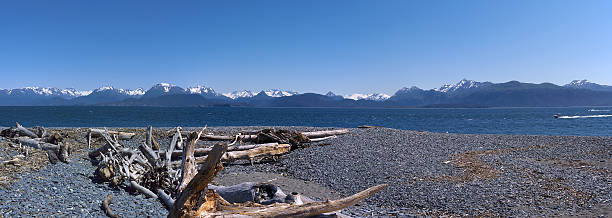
x: 464, y: 94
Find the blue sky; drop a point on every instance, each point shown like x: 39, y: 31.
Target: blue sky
x: 306, y: 46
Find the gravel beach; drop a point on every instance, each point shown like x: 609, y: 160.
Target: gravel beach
x: 429, y: 174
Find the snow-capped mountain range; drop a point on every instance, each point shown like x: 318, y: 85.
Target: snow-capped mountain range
x: 585, y: 84
x: 446, y: 94
x: 464, y: 84
x: 249, y: 94
x: 373, y: 97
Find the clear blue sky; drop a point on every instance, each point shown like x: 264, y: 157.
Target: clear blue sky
x: 306, y: 46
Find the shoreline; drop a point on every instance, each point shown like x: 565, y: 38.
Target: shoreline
x: 428, y: 174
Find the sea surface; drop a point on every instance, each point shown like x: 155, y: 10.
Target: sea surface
x: 527, y: 121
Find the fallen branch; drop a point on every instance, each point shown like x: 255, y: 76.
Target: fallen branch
x: 165, y: 198
x: 142, y: 190
x: 106, y: 205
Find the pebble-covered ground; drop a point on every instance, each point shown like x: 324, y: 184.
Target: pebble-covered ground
x: 428, y: 174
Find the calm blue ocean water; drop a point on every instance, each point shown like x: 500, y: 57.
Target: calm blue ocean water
x: 539, y: 121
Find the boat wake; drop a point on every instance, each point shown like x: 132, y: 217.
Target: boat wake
x: 598, y: 110
x: 587, y: 116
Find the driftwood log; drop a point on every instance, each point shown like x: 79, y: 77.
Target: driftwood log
x: 106, y: 205
x: 257, y: 137
x: 183, y: 186
x: 38, y: 138
x: 121, y: 135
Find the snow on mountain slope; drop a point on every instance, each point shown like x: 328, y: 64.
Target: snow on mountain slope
x: 46, y: 92
x: 201, y: 90
x: 464, y: 84
x: 114, y: 91
x: 279, y: 93
x: 240, y: 94
x: 373, y: 97
x: 249, y: 94
x: 585, y: 84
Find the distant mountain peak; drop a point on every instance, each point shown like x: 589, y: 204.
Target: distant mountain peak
x: 330, y: 94
x: 164, y: 89
x: 239, y: 94
x: 249, y: 94
x: 373, y: 97
x: 461, y: 85
x: 409, y: 89
x: 201, y: 90
x: 278, y: 93
x: 585, y: 84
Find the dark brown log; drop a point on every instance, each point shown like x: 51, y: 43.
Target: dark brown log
x: 106, y: 205
x: 199, y: 183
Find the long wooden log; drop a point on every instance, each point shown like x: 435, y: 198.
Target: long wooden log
x: 204, y: 151
x: 320, y: 134
x: 296, y: 210
x: 25, y: 131
x: 268, y: 150
x: 311, y: 135
x: 101, y: 132
x: 265, y: 150
x: 323, y: 138
x: 199, y: 183
x: 37, y: 143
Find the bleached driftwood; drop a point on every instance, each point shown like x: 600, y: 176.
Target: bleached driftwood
x: 25, y: 131
x: 266, y: 151
x: 323, y: 138
x: 151, y: 140
x: 188, y: 164
x: 297, y: 210
x: 121, y: 135
x: 255, y: 138
x: 325, y: 133
x: 142, y: 190
x: 186, y: 200
x: 263, y: 150
x: 204, y: 151
x: 165, y: 198
x: 37, y: 143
